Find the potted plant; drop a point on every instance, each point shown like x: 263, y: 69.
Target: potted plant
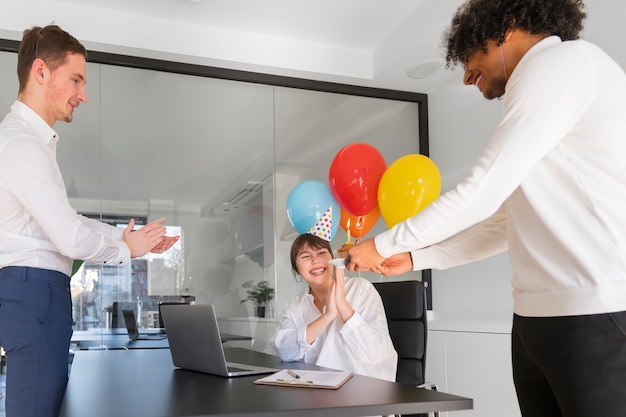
x: 259, y: 294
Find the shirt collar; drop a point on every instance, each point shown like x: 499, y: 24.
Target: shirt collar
x: 543, y: 44
x: 537, y: 48
x: 48, y: 135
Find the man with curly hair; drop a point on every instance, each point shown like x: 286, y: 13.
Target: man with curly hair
x: 550, y: 187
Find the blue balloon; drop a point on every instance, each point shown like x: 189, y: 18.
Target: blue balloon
x: 306, y: 204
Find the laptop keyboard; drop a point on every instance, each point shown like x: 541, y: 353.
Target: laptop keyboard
x: 235, y: 369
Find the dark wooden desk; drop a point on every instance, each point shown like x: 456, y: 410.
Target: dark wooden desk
x: 145, y: 383
x: 118, y: 339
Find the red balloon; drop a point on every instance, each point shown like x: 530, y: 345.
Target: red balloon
x: 354, y: 175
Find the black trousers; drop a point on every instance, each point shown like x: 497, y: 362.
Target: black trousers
x: 570, y: 366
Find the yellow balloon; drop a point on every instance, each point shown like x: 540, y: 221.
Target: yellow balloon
x: 407, y: 186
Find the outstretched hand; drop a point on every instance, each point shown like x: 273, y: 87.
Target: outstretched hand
x: 395, y: 265
x: 363, y: 256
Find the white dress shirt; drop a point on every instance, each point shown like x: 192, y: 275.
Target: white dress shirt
x: 361, y: 345
x: 38, y: 227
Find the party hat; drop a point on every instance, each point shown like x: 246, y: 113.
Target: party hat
x: 324, y: 225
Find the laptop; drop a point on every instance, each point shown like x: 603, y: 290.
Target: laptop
x: 133, y: 331
x: 195, y: 342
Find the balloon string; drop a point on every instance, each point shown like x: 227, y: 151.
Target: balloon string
x: 359, y: 222
x: 359, y: 225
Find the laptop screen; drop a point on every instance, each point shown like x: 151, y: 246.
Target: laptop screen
x: 131, y: 323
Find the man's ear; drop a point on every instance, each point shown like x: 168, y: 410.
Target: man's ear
x: 510, y: 30
x: 39, y: 70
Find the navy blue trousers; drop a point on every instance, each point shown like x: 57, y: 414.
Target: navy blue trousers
x: 35, y: 331
x: 570, y: 366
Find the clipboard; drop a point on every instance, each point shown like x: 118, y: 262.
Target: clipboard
x: 306, y: 379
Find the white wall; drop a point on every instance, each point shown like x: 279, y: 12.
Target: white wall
x: 460, y: 123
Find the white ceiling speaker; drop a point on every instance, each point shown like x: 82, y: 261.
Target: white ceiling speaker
x: 426, y: 69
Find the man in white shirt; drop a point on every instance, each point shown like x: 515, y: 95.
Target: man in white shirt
x: 550, y: 187
x: 40, y: 233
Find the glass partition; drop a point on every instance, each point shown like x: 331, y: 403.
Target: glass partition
x: 311, y: 128
x: 197, y: 151
x: 217, y: 153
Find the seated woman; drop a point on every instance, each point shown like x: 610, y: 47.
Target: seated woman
x: 339, y: 322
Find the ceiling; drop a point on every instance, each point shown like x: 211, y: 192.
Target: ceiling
x: 362, y: 42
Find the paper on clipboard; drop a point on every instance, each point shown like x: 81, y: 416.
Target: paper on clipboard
x: 307, y: 379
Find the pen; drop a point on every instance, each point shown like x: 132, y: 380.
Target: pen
x: 295, y: 382
x: 293, y: 374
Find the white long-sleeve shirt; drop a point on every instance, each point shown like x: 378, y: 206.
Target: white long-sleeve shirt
x: 38, y: 226
x: 550, y: 187
x: 361, y: 345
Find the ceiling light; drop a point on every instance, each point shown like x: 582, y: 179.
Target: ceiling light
x: 426, y: 69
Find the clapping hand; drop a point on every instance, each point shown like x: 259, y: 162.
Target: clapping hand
x: 338, y: 288
x: 150, y: 238
x: 165, y: 244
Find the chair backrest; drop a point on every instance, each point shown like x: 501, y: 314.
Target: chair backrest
x: 166, y: 303
x: 405, y: 307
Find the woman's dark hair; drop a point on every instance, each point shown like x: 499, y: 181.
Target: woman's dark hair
x: 478, y: 21
x: 50, y: 43
x: 309, y: 240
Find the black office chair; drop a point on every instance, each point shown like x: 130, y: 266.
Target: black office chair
x: 405, y: 307
x: 165, y: 303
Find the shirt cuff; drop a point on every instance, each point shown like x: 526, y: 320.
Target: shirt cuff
x: 123, y: 257
x: 424, y: 258
x: 384, y: 244
x: 352, y: 323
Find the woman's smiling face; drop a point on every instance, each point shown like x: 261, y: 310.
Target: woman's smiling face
x: 313, y: 265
